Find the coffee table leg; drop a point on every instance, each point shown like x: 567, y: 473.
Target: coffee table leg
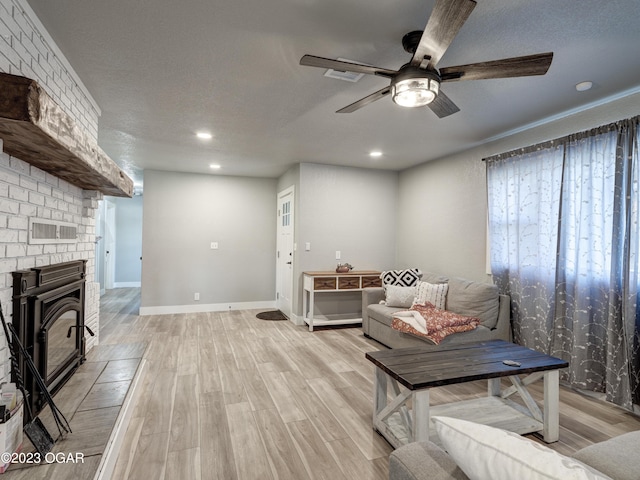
x: 379, y: 393
x: 494, y: 387
x: 421, y: 415
x: 551, y: 414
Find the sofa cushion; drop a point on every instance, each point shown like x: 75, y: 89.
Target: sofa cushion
x: 617, y: 457
x: 474, y: 299
x: 484, y: 452
x: 434, y: 277
x: 382, y: 313
x: 423, y: 461
x: 397, y: 296
x: 405, y: 278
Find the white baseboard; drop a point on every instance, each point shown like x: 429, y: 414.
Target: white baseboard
x: 126, y: 284
x: 296, y: 319
x: 206, y: 307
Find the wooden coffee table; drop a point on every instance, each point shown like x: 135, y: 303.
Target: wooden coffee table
x: 406, y: 416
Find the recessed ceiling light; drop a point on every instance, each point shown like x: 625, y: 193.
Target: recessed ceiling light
x: 584, y: 86
x: 375, y: 153
x: 203, y: 135
x: 214, y: 166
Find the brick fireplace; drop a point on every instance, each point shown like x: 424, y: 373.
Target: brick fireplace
x: 28, y: 192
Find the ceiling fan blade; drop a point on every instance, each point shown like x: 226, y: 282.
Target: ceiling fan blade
x: 313, y: 61
x: 363, y: 102
x: 529, y: 65
x: 442, y: 106
x: 443, y: 25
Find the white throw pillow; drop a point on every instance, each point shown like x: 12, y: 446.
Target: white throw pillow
x: 397, y: 296
x: 487, y: 453
x: 434, y: 293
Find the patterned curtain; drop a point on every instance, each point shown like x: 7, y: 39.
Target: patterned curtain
x: 564, y: 229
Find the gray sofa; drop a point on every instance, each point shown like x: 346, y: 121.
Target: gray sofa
x: 464, y: 297
x: 618, y: 458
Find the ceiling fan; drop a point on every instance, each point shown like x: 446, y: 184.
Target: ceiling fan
x: 417, y: 83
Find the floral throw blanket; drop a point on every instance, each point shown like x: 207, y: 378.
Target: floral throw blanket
x: 425, y: 320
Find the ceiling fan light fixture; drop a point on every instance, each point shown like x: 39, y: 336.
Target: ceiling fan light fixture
x: 415, y: 92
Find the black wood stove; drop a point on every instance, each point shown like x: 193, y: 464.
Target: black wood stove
x: 48, y: 316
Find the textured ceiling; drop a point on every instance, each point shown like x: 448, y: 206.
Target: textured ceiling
x: 161, y: 70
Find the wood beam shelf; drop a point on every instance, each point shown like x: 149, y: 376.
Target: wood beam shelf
x: 36, y: 130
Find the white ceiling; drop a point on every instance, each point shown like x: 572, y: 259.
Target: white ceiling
x: 163, y: 69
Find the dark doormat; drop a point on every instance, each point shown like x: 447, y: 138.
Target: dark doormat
x: 272, y: 315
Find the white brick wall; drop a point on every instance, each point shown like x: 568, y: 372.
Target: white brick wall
x: 26, y: 191
x: 27, y: 49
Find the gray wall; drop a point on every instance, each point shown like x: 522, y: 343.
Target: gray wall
x: 352, y: 210
x: 128, y: 268
x: 442, y: 207
x: 183, y: 214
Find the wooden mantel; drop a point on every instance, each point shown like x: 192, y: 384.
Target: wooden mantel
x: 36, y: 130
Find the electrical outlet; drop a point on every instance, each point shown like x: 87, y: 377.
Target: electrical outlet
x: 196, y: 296
x: 214, y: 245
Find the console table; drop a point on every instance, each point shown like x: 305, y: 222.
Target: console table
x: 320, y: 282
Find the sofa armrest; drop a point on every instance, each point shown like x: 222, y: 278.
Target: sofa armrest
x: 423, y: 461
x: 616, y: 457
x: 503, y: 326
x: 371, y: 295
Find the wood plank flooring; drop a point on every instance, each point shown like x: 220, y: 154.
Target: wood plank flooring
x: 229, y: 396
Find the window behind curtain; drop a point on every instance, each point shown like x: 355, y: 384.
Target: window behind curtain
x: 564, y: 236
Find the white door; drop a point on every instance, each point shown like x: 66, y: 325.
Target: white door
x: 109, y: 244
x: 284, y: 254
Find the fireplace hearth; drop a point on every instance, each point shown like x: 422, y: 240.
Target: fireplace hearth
x: 48, y: 317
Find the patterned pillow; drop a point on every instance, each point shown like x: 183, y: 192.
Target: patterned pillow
x: 433, y: 293
x: 403, y: 278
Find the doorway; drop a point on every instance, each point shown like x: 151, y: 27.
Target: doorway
x: 284, y: 253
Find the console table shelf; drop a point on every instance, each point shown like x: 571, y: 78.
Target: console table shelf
x: 322, y: 282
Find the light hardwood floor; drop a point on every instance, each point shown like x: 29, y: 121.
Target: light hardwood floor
x: 229, y: 396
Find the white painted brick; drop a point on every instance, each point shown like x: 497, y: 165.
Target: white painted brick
x: 3, y: 221
x: 9, y: 206
x: 44, y: 212
x: 36, y: 198
x: 8, y: 265
x: 28, y: 182
x: 9, y: 176
x: 18, y: 223
x: 5, y: 63
x: 23, y: 236
x: 19, y: 165
x: 4, y: 190
x: 16, y: 250
x: 33, y: 250
x: 18, y: 193
x: 9, y: 236
x: 44, y: 189
x: 37, y: 174
x: 12, y: 25
x: 50, y: 202
x: 57, y: 193
x: 28, y: 210
x: 25, y: 263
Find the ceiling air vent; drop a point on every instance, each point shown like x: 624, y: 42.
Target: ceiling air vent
x: 51, y: 231
x: 346, y: 76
